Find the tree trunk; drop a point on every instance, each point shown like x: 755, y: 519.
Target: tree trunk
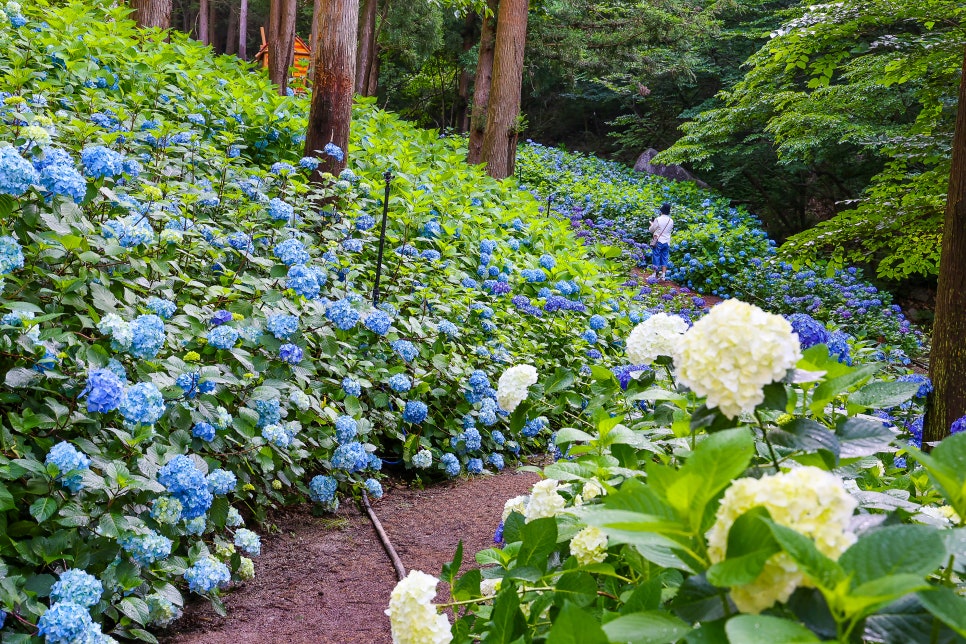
x: 372, y: 84
x: 333, y: 83
x: 367, y: 44
x: 243, y: 30
x: 231, y: 35
x: 281, y: 41
x: 503, y: 108
x: 152, y: 13
x: 481, y: 89
x: 203, y: 21
x: 947, y: 363
x: 461, y: 107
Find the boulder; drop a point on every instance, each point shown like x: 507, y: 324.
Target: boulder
x: 673, y: 172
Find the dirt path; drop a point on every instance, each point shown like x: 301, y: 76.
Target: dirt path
x: 327, y: 579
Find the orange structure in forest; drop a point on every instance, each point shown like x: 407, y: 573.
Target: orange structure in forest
x: 300, y: 66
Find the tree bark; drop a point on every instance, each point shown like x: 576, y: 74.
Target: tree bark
x: 372, y: 83
x: 152, y: 13
x: 947, y: 363
x: 231, y: 35
x: 243, y: 30
x: 314, y: 36
x: 203, y: 21
x: 281, y: 41
x: 481, y: 89
x: 367, y: 44
x: 333, y: 83
x: 503, y: 108
x: 461, y: 107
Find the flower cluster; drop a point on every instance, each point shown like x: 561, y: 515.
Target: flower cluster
x: 513, y: 384
x: 412, y: 615
x: 656, y: 336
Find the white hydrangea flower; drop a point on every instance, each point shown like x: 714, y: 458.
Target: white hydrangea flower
x: 592, y: 489
x: 516, y: 504
x: 300, y: 399
x: 730, y: 354
x: 544, y: 501
x: 490, y: 587
x: 512, y: 386
x: 118, y: 328
x: 422, y: 459
x: 656, y: 336
x: 589, y: 546
x: 808, y: 500
x: 413, y: 616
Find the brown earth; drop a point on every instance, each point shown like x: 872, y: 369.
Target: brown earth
x: 327, y: 579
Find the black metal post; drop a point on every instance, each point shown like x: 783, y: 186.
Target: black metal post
x: 549, y: 202
x: 387, y: 175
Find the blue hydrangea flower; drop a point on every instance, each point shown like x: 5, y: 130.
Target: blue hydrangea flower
x: 598, y: 322
x: 415, y: 412
x: 533, y: 275
x: 16, y: 173
x: 306, y: 281
x: 405, y: 350
x: 838, y: 347
x: 448, y: 329
x: 474, y: 466
x: 351, y: 387
x: 352, y: 245
x: 77, y: 587
x: 430, y: 255
x: 378, y: 322
x: 290, y: 353
x: 422, y: 459
x: 282, y: 326
x: 548, y: 262
x: 496, y: 460
x: 810, y: 331
x: 222, y: 337
x: 590, y: 336
x: 67, y: 458
x: 958, y: 425
x: 66, y: 623
x: 234, y: 518
x: 322, y: 489
x: 345, y: 429
x: 104, y: 391
x: 291, y: 252
x: 374, y: 488
x: 451, y: 464
x: 241, y: 242
x: 342, y: 314
x: 204, y: 431
x: 487, y: 247
x: 142, y: 403
x: 351, y: 457
x: 11, y: 255
x: 334, y: 151
x: 248, y: 542
x: 925, y: 384
x: 269, y: 411
x: 221, y: 482
x: 147, y: 548
x: 498, y: 437
x: 365, y: 222
x: 488, y: 412
x: 147, y: 336
x: 206, y: 575
x: 101, y: 162
x: 279, y: 210
x: 534, y: 427
x: 309, y: 163
x: 162, y: 308
x: 64, y: 180
x: 400, y: 383
x: 186, y: 483
x: 220, y: 317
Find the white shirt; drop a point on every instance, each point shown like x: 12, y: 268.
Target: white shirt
x: 664, y: 225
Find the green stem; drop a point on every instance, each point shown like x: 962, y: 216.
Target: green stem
x: 764, y: 433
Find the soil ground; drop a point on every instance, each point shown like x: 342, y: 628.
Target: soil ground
x: 322, y: 580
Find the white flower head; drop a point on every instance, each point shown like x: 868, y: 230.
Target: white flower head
x: 544, y: 501
x: 592, y: 489
x: 118, y: 328
x: 589, y: 546
x: 413, y: 616
x: 730, y: 355
x: 512, y: 386
x: 656, y: 336
x: 808, y: 500
x: 516, y: 504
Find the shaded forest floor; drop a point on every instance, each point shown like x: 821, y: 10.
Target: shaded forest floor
x: 327, y: 579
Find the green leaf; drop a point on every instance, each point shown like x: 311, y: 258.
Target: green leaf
x: 862, y: 437
x: 578, y: 587
x: 903, y: 549
x: 806, y: 435
x: 824, y: 571
x: 20, y: 377
x: 569, y: 471
x: 750, y: 545
x: 6, y: 499
x: 452, y: 568
x: 572, y: 435
x: 880, y: 395
x: 468, y: 586
x: 512, y: 527
x: 539, y: 540
x: 946, y: 605
x: 562, y: 379
x: 832, y: 387
x: 135, y: 608
x: 43, y: 508
x: 574, y: 626
x: 762, y: 629
x: 507, y: 622
x: 651, y: 627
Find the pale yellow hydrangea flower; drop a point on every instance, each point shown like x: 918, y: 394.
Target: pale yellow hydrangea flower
x: 589, y: 546
x: 656, y: 336
x: 808, y: 500
x: 544, y: 501
x: 516, y: 504
x: 413, y: 616
x: 730, y: 354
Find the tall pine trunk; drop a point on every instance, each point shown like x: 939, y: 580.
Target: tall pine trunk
x: 333, y: 83
x: 281, y: 41
x: 243, y: 30
x: 503, y: 108
x: 947, y: 363
x: 231, y: 32
x: 481, y: 89
x: 203, y: 21
x: 461, y: 107
x: 367, y: 44
x: 152, y: 13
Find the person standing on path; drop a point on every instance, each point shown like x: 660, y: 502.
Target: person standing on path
x: 661, y: 228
